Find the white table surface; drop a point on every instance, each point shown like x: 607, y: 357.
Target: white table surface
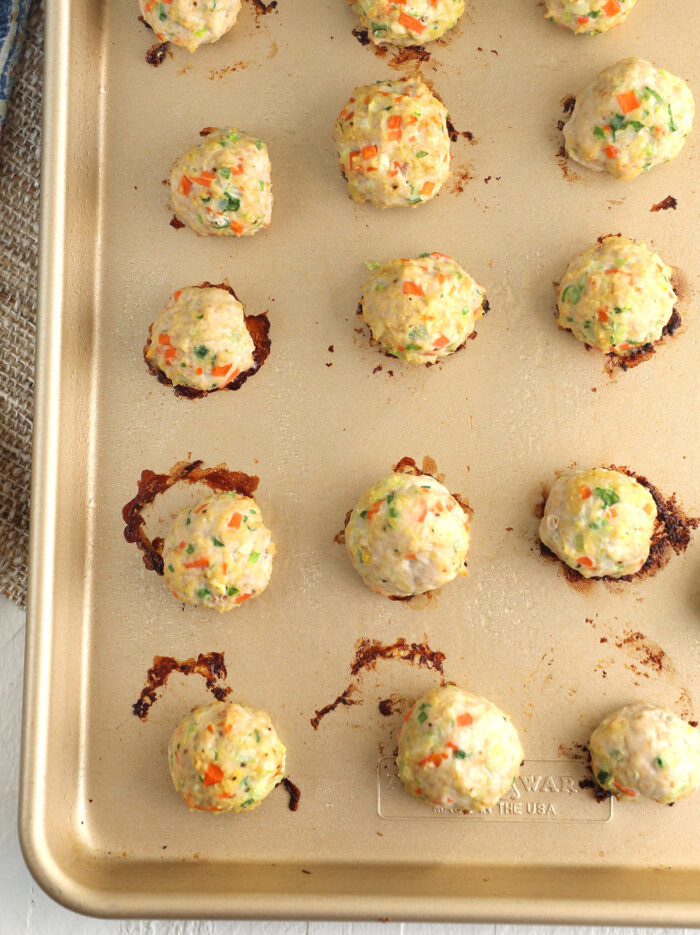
x: 26, y: 910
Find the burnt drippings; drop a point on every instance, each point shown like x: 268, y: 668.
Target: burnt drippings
x: 409, y: 55
x: 645, y: 351
x: 210, y: 666
x: 362, y: 36
x: 175, y: 221
x: 150, y: 485
x: 259, y: 330
x: 600, y: 794
x: 455, y: 134
x: 156, y: 54
x: 339, y: 537
x: 369, y: 652
x: 261, y: 9
x: 648, y: 653
x: 671, y: 535
x: 344, y: 699
x: 567, y: 105
x: 668, y: 202
x: 205, y: 131
x: 294, y: 793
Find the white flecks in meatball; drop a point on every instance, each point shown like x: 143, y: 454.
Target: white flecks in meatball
x: 422, y: 309
x: 200, y: 339
x: 633, y: 117
x: 457, y: 750
x: 646, y: 750
x: 599, y: 522
x: 617, y: 296
x: 589, y: 17
x: 407, y: 535
x: 225, y: 757
x: 190, y: 23
x: 393, y: 144
x: 222, y: 186
x: 415, y: 22
x: 218, y: 553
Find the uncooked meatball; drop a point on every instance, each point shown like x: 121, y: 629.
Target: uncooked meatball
x: 393, y: 144
x: 457, y: 750
x: 190, y: 23
x: 417, y: 21
x: 599, y: 522
x: 222, y: 185
x: 617, y: 296
x: 423, y: 309
x: 646, y: 750
x: 218, y: 553
x: 406, y: 535
x: 200, y: 339
x: 633, y: 117
x: 225, y: 757
x: 589, y: 17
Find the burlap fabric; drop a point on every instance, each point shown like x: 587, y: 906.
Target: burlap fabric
x: 19, y: 228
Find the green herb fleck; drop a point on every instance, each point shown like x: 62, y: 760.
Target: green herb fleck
x: 607, y: 495
x: 189, y: 549
x: 217, y: 542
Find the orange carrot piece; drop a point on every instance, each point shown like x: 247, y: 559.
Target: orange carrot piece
x: 411, y: 556
x: 176, y: 295
x: 203, y: 180
x: 374, y: 509
x: 170, y: 353
x: 585, y: 491
x: 433, y: 758
x: 199, y: 563
x: 394, y: 135
x: 441, y: 256
x: 611, y: 7
x: 412, y: 288
x: 221, y: 371
x: 235, y: 521
x: 394, y: 122
x: 603, y: 314
x: 202, y: 507
x: 623, y: 789
x: 427, y: 188
x: 410, y: 22
x: 407, y: 715
x: 611, y: 151
x: 369, y: 151
x: 582, y: 20
x: 423, y: 513
x: 441, y: 342
x: 213, y: 774
x: 586, y: 561
x: 241, y: 598
x: 185, y: 185
x: 164, y: 338
x: 464, y: 720
x: 628, y: 101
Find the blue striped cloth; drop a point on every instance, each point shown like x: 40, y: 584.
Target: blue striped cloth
x: 13, y: 18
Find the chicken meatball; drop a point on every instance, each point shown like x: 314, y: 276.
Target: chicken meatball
x: 393, y: 144
x: 225, y: 757
x: 200, y: 339
x: 458, y: 750
x: 222, y: 185
x: 418, y: 21
x: 633, y: 117
x: 423, y: 309
x: 218, y: 553
x: 406, y: 535
x: 599, y: 522
x: 588, y: 17
x: 646, y: 750
x: 190, y: 23
x: 617, y: 296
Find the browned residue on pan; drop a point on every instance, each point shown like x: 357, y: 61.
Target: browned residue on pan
x: 150, y: 485
x: 567, y: 105
x: 214, y: 73
x: 210, y: 666
x: 294, y: 793
x: 156, y: 54
x: 646, y: 351
x: 410, y: 55
x: 261, y: 9
x: 175, y: 220
x: 362, y: 36
x: 259, y: 330
x: 343, y: 699
x: 647, y: 653
x: 668, y: 202
x: 368, y: 653
x: 671, y: 536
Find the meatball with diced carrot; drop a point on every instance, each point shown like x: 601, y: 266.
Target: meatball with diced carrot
x: 393, y: 143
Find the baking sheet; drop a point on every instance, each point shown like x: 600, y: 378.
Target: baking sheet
x: 101, y: 827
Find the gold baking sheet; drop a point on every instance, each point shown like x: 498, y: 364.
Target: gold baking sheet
x: 101, y: 827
